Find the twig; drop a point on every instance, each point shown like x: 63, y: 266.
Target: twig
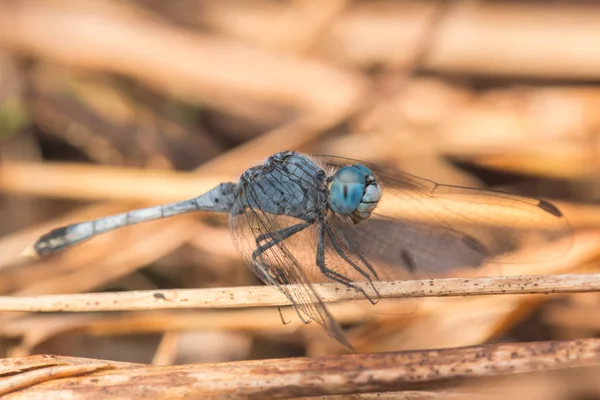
x: 126, y: 184
x: 199, y: 67
x: 155, y: 187
x: 313, y: 376
x: 262, y: 296
x: 30, y: 378
x: 366, y: 32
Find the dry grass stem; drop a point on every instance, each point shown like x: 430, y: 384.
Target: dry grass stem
x: 263, y: 296
x: 314, y: 376
x: 33, y: 377
x: 138, y: 185
x: 368, y: 31
x: 404, y: 395
x: 116, y: 30
x: 124, y: 184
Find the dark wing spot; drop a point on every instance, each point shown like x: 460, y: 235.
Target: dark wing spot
x: 475, y: 245
x: 549, y: 207
x: 409, y: 261
x: 216, y: 199
x: 159, y: 296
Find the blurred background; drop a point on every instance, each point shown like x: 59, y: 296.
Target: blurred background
x: 107, y: 106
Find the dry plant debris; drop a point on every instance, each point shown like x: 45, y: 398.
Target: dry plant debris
x: 291, y: 378
x: 118, y: 104
x: 263, y: 296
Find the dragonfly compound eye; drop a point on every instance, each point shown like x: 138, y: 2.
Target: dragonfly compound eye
x: 354, y: 192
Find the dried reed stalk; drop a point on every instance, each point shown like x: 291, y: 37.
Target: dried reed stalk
x: 198, y: 67
x: 263, y: 296
x: 384, y: 32
x: 289, y: 378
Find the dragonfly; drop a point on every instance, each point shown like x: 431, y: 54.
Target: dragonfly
x: 299, y: 219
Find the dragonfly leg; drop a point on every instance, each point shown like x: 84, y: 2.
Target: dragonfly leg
x: 276, y: 237
x: 331, y: 274
x: 349, y: 245
x: 286, y: 232
x: 342, y: 254
x: 276, y: 281
x: 281, y: 316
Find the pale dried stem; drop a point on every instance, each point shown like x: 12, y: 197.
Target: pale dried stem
x: 556, y: 40
x: 109, y: 183
x: 121, y: 38
x: 30, y: 378
x: 262, y: 296
x: 157, y: 187
x: 313, y: 376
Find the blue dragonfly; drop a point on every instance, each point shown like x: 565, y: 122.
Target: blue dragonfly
x: 298, y: 219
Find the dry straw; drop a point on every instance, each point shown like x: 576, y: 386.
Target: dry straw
x: 262, y: 296
x: 295, y: 377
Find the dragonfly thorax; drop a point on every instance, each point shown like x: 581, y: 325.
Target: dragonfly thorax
x: 354, y: 192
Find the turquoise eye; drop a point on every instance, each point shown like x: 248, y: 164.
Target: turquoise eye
x: 347, y: 188
x: 366, y: 171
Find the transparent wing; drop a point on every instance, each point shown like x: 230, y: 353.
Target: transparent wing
x: 282, y: 252
x: 423, y: 228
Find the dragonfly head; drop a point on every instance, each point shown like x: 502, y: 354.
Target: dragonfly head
x: 354, y: 192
